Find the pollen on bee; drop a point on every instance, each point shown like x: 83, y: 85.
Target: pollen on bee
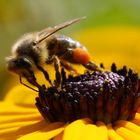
x: 81, y: 56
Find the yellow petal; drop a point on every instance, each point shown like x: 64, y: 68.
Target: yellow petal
x: 16, y: 124
x: 10, y: 113
x: 89, y: 132
x: 21, y: 94
x: 22, y: 130
x: 112, y: 135
x: 8, y: 108
x: 127, y: 134
x: 129, y: 125
x: 74, y: 130
x: 9, y: 132
x: 20, y: 118
x: 47, y: 133
x: 102, y: 131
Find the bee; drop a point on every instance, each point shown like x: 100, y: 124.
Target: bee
x: 35, y: 49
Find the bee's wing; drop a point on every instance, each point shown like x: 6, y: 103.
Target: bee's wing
x: 51, y: 30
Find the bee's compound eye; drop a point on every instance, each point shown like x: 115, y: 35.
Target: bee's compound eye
x: 11, y: 65
x: 34, y: 43
x: 23, y: 62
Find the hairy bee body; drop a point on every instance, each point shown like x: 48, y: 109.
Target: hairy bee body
x: 57, y: 45
x: 63, y: 47
x: 44, y: 47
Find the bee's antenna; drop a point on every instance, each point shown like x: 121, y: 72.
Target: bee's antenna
x: 51, y: 30
x: 20, y: 79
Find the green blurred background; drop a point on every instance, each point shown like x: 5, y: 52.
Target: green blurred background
x: 18, y: 17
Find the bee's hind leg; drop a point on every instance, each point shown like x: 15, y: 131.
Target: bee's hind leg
x: 57, y: 71
x: 69, y: 67
x: 92, y: 66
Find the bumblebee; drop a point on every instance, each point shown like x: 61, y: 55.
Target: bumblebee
x: 35, y: 49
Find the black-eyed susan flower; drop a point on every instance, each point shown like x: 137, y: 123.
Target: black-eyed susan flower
x: 95, y: 105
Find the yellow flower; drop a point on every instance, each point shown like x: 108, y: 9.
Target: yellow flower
x: 20, y: 119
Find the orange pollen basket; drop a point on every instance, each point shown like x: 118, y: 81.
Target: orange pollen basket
x: 81, y: 56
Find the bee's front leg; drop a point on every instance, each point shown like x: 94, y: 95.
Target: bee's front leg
x: 45, y: 74
x: 30, y: 77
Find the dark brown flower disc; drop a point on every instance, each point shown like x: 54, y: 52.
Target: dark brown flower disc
x: 101, y: 96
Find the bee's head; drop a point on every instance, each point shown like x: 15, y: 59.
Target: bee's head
x: 20, y: 65
x: 24, y: 45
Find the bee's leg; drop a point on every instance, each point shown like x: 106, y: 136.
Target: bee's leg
x: 30, y: 77
x: 57, y: 72
x: 45, y: 74
x: 20, y: 79
x: 69, y: 67
x: 92, y: 66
